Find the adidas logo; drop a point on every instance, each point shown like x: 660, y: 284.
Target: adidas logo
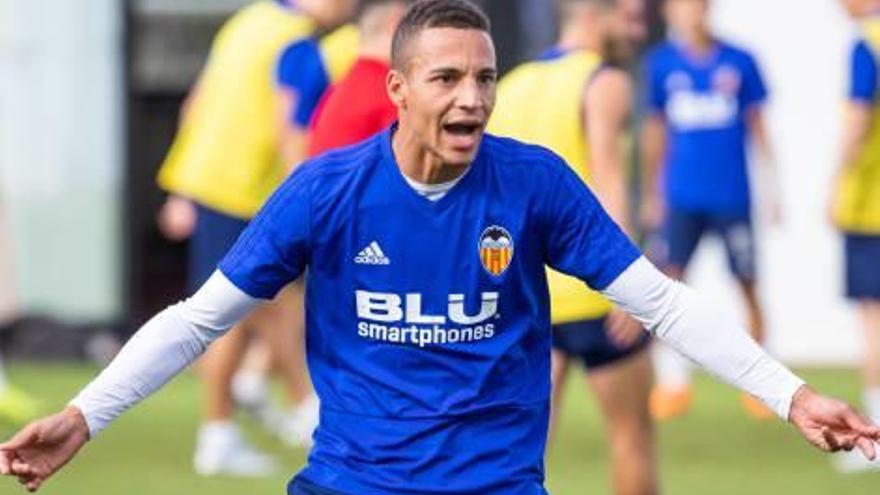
x: 372, y: 255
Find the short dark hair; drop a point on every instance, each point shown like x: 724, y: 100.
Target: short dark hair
x: 425, y: 14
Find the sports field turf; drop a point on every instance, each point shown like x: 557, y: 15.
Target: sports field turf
x: 715, y: 451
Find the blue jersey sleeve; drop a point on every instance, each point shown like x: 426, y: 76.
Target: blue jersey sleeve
x: 863, y: 74
x: 754, y: 91
x: 301, y: 69
x: 274, y: 249
x: 582, y: 240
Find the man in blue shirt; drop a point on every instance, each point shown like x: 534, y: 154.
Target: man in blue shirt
x: 705, y: 100
x: 428, y: 316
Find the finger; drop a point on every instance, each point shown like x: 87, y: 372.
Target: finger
x: 830, y: 441
x: 6, y: 457
x: 867, y: 447
x: 860, y: 425
x: 21, y: 468
x: 23, y: 438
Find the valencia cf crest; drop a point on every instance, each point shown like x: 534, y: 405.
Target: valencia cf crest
x: 496, y: 249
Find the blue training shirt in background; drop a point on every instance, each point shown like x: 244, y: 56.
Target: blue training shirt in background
x: 705, y: 101
x: 301, y: 69
x: 428, y: 327
x: 863, y: 74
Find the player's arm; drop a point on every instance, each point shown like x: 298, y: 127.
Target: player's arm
x: 753, y: 98
x: 583, y: 241
x: 607, y: 106
x: 653, y: 149
x: 272, y: 251
x: 163, y: 347
x: 688, y: 323
x: 858, y: 112
x: 301, y: 79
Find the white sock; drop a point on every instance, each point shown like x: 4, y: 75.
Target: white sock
x: 673, y: 370
x: 212, y: 433
x: 871, y: 399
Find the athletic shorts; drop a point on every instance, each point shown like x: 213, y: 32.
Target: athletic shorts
x: 682, y: 231
x: 299, y: 486
x: 862, y: 266
x: 214, y: 235
x: 588, y: 341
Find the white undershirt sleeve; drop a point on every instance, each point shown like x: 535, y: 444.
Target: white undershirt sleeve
x: 164, y: 346
x: 679, y: 317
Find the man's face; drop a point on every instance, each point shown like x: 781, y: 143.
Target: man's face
x: 856, y: 8
x: 686, y: 16
x: 446, y: 92
x: 617, y: 40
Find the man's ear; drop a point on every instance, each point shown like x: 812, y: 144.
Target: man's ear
x: 396, y: 85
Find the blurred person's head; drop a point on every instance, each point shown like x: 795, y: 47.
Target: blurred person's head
x: 443, y: 79
x: 326, y: 13
x: 377, y: 21
x: 636, y: 17
x: 687, y: 19
x: 861, y: 8
x: 599, y: 25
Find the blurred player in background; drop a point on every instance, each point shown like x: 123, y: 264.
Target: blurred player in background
x: 304, y: 72
x: 358, y: 106
x: 574, y: 102
x: 855, y: 209
x: 705, y: 100
x: 15, y: 405
x: 223, y: 164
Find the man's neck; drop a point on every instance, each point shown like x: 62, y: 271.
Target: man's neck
x: 419, y: 163
x: 699, y: 42
x: 581, y: 39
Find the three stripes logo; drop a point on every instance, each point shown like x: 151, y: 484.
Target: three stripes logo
x: 496, y: 249
x: 372, y: 255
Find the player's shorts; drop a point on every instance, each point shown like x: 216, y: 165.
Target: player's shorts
x: 862, y: 266
x: 299, y: 486
x: 682, y: 231
x: 214, y: 235
x: 588, y: 341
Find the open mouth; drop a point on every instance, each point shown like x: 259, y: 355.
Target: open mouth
x: 463, y: 129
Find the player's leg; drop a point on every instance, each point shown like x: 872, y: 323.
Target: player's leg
x: 283, y: 330
x: 863, y: 286
x: 738, y: 237
x: 680, y: 236
x: 558, y: 374
x: 622, y: 378
x: 220, y: 447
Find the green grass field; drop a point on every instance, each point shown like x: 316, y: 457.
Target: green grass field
x: 714, y: 451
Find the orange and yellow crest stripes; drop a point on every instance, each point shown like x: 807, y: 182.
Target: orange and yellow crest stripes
x: 496, y: 249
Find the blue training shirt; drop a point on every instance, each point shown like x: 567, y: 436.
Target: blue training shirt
x: 705, y: 103
x: 428, y: 323
x: 301, y: 69
x: 863, y: 75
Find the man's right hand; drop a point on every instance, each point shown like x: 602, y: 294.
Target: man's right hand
x: 41, y: 448
x: 177, y: 218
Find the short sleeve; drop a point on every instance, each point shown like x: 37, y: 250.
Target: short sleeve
x: 581, y: 239
x: 863, y: 74
x: 274, y: 249
x: 654, y: 86
x: 754, y: 91
x: 301, y: 70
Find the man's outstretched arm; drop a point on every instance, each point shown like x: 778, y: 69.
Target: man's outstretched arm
x: 163, y: 347
x: 682, y: 319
